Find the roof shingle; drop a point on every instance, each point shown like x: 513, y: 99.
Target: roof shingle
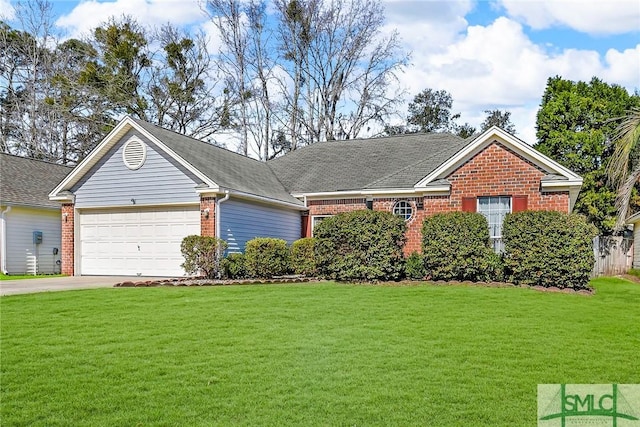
x: 27, y: 182
x: 378, y: 163
x: 226, y: 168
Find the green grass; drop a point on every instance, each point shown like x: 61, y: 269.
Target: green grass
x: 634, y: 272
x: 312, y: 354
x: 27, y: 276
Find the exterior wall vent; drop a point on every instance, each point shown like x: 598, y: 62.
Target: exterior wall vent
x: 134, y: 153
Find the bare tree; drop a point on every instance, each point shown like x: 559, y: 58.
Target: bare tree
x: 25, y: 70
x: 343, y: 63
x: 182, y: 86
x: 333, y: 69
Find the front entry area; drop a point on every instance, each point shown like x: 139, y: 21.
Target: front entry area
x: 135, y: 242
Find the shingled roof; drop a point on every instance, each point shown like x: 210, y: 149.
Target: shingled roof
x: 27, y: 182
x: 380, y: 163
x: 226, y: 168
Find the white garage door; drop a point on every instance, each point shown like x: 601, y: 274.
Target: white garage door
x: 143, y: 242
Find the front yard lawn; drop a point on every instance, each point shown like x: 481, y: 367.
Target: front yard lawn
x: 27, y: 276
x: 311, y: 354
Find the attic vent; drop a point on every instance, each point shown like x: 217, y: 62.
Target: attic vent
x: 134, y: 153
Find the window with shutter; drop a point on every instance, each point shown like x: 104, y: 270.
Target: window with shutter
x: 495, y: 208
x: 520, y: 203
x: 468, y: 204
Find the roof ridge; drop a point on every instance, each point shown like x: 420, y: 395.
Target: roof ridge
x: 365, y: 140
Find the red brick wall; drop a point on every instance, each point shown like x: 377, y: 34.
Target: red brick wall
x: 67, y: 248
x: 495, y: 171
x: 498, y: 171
x: 208, y: 225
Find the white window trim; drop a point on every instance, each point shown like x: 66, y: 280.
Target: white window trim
x: 409, y: 205
x: 313, y: 220
x: 496, y: 241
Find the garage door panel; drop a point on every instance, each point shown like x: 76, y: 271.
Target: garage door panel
x: 135, y: 242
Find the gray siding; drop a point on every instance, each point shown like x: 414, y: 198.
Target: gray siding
x: 636, y: 245
x: 242, y: 221
x: 20, y: 225
x: 160, y: 180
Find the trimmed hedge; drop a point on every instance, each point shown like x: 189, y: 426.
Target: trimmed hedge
x: 455, y: 246
x: 414, y: 267
x: 202, y: 254
x: 233, y: 266
x: 265, y: 257
x: 302, y: 258
x: 362, y: 245
x: 548, y: 248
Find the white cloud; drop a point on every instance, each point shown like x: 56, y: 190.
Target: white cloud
x: 586, y: 16
x: 92, y: 13
x: 7, y: 12
x: 624, y: 67
x: 498, y: 66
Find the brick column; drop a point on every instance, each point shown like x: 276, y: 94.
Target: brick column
x: 67, y: 249
x: 208, y: 225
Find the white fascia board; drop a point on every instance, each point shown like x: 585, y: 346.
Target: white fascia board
x: 375, y: 192
x: 136, y: 206
x: 109, y: 141
x: 176, y: 157
x: 205, y: 191
x: 633, y: 218
x: 265, y: 200
x: 93, y: 157
x: 556, y: 185
x: 514, y: 143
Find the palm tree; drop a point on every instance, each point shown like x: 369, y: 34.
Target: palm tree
x: 624, y: 166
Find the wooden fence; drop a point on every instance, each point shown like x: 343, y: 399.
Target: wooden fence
x: 614, y: 255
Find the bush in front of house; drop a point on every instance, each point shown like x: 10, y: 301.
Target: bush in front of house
x: 363, y: 245
x: 302, y: 258
x: 548, y: 248
x: 233, y: 266
x: 265, y: 257
x: 414, y: 267
x: 455, y: 246
x: 202, y: 255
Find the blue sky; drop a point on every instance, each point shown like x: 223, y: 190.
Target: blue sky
x: 487, y: 54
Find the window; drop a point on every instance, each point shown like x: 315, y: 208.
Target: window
x: 403, y: 209
x: 317, y: 219
x: 495, y: 209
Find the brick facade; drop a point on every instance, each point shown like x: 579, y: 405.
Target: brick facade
x: 67, y: 248
x: 208, y: 221
x: 495, y: 171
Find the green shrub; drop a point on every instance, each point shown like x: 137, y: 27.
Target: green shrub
x: 233, y: 266
x: 414, y: 267
x: 455, y: 246
x: 362, y: 245
x: 548, y: 248
x: 494, y: 271
x: 266, y: 257
x: 302, y: 256
x: 202, y: 255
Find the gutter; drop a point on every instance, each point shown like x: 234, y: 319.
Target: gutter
x: 3, y: 243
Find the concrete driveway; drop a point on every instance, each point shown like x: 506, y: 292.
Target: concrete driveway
x: 27, y: 286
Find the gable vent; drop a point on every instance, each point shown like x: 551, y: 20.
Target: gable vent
x: 134, y: 153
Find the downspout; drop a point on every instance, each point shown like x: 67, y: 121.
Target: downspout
x: 218, y: 226
x: 217, y: 213
x: 3, y: 230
